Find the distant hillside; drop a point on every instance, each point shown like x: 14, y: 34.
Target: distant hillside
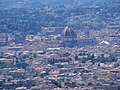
x: 38, y: 3
x: 28, y: 16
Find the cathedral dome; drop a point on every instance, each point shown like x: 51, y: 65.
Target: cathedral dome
x: 68, y: 33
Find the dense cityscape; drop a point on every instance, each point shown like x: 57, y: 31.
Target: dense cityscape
x: 59, y: 45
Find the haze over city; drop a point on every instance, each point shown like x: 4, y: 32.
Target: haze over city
x: 59, y: 45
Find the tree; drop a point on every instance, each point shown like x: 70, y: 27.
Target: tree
x: 58, y: 84
x: 91, y: 56
x: 90, y: 83
x: 22, y: 65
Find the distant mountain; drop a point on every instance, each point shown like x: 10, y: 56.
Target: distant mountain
x: 38, y: 3
x: 8, y: 4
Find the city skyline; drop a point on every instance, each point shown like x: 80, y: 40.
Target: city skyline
x: 59, y: 45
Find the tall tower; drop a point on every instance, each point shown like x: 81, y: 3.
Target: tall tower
x: 6, y: 38
x: 87, y: 32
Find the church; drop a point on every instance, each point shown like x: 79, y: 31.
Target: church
x: 69, y: 39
